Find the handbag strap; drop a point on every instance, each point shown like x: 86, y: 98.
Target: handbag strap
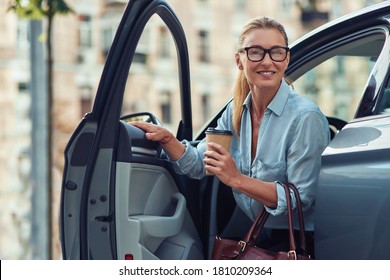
x: 263, y: 215
x: 300, y: 216
x: 260, y: 226
x: 251, y: 235
x: 256, y: 227
x: 290, y: 219
x: 259, y: 222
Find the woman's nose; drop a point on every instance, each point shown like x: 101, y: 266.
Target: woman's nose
x: 267, y: 58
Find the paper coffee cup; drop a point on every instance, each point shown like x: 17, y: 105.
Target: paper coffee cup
x: 222, y: 137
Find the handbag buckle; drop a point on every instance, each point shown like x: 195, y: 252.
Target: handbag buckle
x: 243, y: 245
x: 292, y: 255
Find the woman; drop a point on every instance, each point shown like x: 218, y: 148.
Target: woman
x: 278, y: 135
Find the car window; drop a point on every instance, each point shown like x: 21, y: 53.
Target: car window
x: 336, y: 79
x: 153, y: 84
x: 384, y: 103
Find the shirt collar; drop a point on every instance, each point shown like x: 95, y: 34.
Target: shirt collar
x: 278, y: 102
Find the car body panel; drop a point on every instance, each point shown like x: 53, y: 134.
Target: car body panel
x: 353, y: 199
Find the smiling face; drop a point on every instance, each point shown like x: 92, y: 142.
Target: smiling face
x: 264, y: 75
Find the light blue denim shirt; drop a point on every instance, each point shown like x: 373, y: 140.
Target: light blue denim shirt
x: 292, y: 137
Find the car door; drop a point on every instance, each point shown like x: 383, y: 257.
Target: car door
x: 353, y: 199
x: 120, y: 197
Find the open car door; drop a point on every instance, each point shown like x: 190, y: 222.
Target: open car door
x: 120, y: 197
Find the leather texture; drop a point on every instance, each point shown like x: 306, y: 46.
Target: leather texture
x: 227, y: 249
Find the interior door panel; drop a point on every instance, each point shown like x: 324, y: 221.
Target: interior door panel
x: 152, y: 219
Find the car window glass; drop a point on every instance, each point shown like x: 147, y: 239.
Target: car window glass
x: 153, y: 82
x: 384, y: 103
x: 338, y: 80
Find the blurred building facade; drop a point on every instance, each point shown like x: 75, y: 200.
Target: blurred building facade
x: 81, y: 42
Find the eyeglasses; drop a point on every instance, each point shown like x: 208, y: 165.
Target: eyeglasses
x: 256, y: 54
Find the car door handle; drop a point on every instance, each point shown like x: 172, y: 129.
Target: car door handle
x: 164, y: 226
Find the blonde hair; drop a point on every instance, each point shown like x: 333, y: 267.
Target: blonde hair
x: 241, y: 86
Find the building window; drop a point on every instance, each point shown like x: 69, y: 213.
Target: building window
x: 86, y: 105
x: 165, y: 103
x: 85, y: 31
x: 107, y: 36
x: 204, y: 46
x: 109, y: 23
x: 23, y: 35
x: 141, y: 52
x: 140, y: 57
x: 86, y: 100
x: 23, y: 87
x: 205, y: 107
x: 286, y: 6
x: 164, y: 42
x: 240, y: 5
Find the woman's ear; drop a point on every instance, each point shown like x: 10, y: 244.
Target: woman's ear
x: 238, y: 62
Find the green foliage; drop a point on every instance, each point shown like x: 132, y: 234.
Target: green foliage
x: 37, y: 9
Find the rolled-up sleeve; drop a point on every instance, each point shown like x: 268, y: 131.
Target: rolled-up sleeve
x: 191, y: 162
x: 310, y: 138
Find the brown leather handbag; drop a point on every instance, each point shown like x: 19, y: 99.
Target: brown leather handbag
x: 227, y: 249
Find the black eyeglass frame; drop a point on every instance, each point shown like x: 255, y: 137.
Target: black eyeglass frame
x: 287, y: 49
